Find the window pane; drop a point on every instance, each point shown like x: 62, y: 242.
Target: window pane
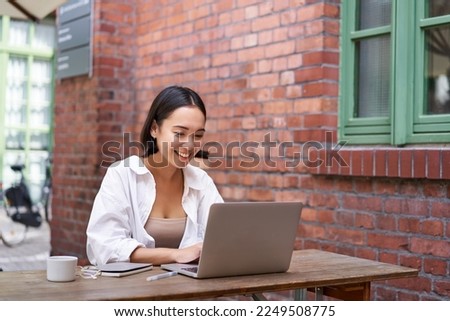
x: 40, y: 104
x: 11, y: 158
x: 19, y: 33
x: 438, y: 70
x: 16, y: 91
x: 374, y: 13
x: 374, y: 74
x: 14, y: 139
x: 438, y: 8
x: 37, y: 173
x: 40, y: 94
x: 39, y: 140
x: 44, y: 36
x: 41, y: 70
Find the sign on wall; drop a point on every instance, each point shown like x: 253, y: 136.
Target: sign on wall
x: 74, y: 39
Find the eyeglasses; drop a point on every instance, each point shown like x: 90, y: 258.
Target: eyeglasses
x: 89, y: 272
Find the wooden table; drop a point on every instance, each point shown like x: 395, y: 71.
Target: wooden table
x: 326, y: 273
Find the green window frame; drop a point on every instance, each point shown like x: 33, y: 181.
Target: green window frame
x: 29, y: 139
x: 406, y: 121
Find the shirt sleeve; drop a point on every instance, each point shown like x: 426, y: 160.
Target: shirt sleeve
x: 109, y: 229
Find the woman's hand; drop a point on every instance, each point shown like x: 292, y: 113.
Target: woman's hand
x: 158, y: 256
x: 189, y: 254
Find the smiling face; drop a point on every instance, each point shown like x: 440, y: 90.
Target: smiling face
x: 179, y: 136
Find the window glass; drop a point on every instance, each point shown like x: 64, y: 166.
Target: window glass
x: 41, y: 70
x: 438, y: 8
x: 37, y: 173
x: 40, y: 95
x: 39, y: 104
x: 374, y: 72
x: 44, y: 36
x: 16, y: 91
x: 437, y: 70
x: 19, y: 33
x: 374, y: 13
x: 11, y: 158
x: 15, y: 139
x: 39, y: 140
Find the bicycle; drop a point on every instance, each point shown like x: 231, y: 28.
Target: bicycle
x: 46, y: 193
x: 20, y: 209
x: 11, y: 233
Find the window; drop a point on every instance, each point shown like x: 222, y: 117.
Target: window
x: 26, y: 99
x: 395, y: 72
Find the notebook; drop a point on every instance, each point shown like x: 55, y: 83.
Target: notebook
x: 243, y: 238
x: 119, y: 269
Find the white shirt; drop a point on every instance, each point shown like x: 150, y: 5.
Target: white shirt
x: 123, y: 204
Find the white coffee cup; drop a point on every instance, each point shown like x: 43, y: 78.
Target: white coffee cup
x: 61, y: 268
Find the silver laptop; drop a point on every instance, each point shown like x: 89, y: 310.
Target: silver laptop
x: 243, y: 238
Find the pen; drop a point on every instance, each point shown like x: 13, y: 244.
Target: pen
x: 161, y: 276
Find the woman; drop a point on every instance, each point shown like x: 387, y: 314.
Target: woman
x: 154, y: 208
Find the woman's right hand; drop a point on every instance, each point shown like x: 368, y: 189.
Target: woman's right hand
x: 189, y: 254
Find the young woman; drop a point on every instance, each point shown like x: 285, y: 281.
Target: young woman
x: 154, y: 208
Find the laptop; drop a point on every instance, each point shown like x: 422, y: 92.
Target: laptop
x: 244, y: 238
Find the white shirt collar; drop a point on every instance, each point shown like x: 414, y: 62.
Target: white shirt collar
x: 193, y: 177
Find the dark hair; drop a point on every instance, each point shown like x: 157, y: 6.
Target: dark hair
x: 165, y: 103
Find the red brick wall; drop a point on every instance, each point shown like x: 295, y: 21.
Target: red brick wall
x: 266, y: 70
x: 89, y: 113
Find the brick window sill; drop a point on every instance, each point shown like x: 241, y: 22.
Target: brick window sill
x: 431, y: 163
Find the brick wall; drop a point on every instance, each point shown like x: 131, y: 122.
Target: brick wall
x: 89, y: 114
x: 268, y: 72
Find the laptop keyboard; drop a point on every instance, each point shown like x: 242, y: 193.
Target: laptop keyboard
x: 191, y: 269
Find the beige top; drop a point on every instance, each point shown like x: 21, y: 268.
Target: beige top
x: 167, y: 232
